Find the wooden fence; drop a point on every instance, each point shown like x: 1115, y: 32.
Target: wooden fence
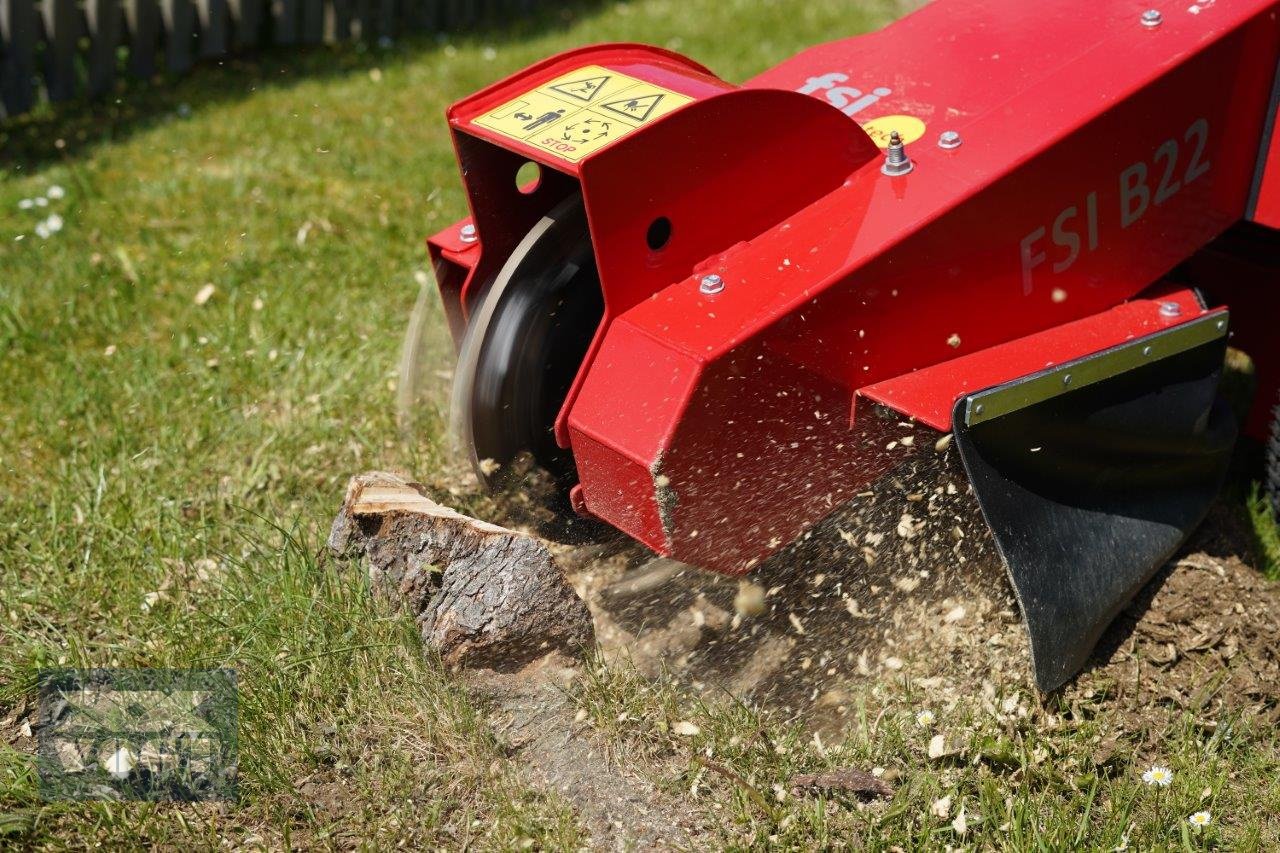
x: 71, y: 48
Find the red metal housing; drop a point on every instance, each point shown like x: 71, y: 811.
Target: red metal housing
x: 1096, y: 152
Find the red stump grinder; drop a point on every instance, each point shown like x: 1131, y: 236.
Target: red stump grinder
x: 1033, y: 226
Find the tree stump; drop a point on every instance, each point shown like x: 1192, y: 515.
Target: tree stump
x: 482, y: 595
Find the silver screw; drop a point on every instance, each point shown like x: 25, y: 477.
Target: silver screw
x: 711, y: 284
x: 896, y: 161
x: 1222, y: 324
x: 949, y: 139
x: 1152, y: 18
x: 1170, y: 309
x: 468, y: 233
x: 1146, y: 350
x: 977, y: 410
x: 1066, y: 380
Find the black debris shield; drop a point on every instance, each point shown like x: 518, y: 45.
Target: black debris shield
x: 1089, y: 492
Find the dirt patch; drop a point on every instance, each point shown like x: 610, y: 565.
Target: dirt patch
x: 1200, y: 637
x: 17, y: 727
x: 617, y: 801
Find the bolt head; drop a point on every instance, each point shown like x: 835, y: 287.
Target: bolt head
x: 1152, y: 18
x: 1066, y: 379
x: 1146, y: 350
x: 711, y: 284
x: 949, y: 139
x: 1170, y: 309
x: 468, y: 233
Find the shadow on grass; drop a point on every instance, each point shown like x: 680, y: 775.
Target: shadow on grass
x: 1234, y: 527
x: 54, y: 132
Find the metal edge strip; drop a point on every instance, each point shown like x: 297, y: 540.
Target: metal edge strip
x: 1083, y: 372
x: 1264, y: 148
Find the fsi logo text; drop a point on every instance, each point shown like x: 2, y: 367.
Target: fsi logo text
x: 847, y: 99
x: 1141, y: 187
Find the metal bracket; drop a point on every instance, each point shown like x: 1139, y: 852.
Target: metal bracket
x: 1081, y: 373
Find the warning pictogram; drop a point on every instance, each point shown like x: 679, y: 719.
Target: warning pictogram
x: 578, y: 113
x: 586, y: 131
x: 582, y: 90
x: 637, y: 108
x: 528, y: 114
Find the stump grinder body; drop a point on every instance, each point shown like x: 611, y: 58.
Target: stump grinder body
x: 1034, y: 226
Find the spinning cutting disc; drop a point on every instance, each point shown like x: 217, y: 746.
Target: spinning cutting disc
x: 525, y: 340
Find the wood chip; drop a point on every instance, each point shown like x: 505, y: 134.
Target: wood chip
x: 939, y: 748
x: 205, y: 293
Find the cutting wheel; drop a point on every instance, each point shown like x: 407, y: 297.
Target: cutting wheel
x: 525, y: 340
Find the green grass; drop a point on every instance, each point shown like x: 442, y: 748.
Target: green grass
x: 188, y: 457
x: 1266, y: 531
x: 1030, y: 778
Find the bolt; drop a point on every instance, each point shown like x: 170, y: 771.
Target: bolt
x: 1152, y: 18
x: 468, y: 233
x: 1066, y: 380
x: 977, y: 410
x: 1146, y: 350
x: 1170, y: 309
x: 711, y: 284
x: 949, y: 139
x: 896, y: 161
x: 1222, y: 324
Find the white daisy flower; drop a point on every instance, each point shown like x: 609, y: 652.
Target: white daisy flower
x: 925, y: 718
x: 26, y: 204
x: 1200, y: 819
x: 53, y: 223
x: 42, y: 231
x: 55, y: 191
x: 41, y: 201
x: 1158, y: 775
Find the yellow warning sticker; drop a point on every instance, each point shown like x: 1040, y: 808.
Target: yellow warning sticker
x: 582, y: 111
x: 909, y: 128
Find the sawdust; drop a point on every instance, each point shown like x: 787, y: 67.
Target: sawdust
x: 1201, y: 635
x: 905, y: 581
x: 838, y: 606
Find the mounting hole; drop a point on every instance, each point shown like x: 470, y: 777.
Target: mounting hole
x: 528, y: 177
x: 659, y: 233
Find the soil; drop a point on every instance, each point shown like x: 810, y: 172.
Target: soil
x: 904, y: 582
x: 619, y: 804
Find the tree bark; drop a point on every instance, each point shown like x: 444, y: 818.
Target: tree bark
x: 482, y: 595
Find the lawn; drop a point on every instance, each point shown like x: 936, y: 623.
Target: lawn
x: 205, y: 350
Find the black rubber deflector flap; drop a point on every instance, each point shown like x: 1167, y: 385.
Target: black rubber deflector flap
x: 1090, y: 492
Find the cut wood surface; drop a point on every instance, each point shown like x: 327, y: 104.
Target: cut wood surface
x: 482, y: 595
